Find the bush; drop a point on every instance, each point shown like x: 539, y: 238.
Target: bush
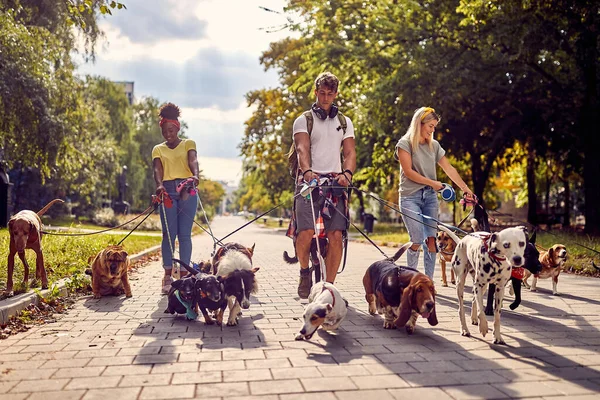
x: 105, y: 217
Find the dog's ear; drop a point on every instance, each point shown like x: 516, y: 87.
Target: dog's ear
x: 177, y: 284
x: 251, y: 249
x: 551, y: 253
x: 10, y: 225
x: 432, y: 319
x: 329, y: 307
x: 493, y: 243
x: 533, y: 237
x: 255, y: 270
x: 405, y: 306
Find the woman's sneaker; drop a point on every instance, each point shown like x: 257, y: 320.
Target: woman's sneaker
x: 166, y: 284
x: 305, y: 283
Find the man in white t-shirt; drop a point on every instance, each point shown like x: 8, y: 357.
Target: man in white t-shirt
x: 319, y: 156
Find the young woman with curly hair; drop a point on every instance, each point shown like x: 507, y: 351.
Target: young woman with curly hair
x: 174, y: 161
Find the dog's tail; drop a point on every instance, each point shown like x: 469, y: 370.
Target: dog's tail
x: 400, y: 251
x: 189, y: 269
x: 450, y: 233
x: 47, y: 206
x: 288, y: 259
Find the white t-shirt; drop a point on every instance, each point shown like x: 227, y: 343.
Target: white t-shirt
x: 325, y: 142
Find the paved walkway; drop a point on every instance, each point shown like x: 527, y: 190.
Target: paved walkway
x: 117, y: 348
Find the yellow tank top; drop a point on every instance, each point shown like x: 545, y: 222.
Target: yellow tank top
x: 174, y: 161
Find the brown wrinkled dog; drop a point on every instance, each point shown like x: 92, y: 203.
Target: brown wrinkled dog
x: 109, y: 272
x: 25, y: 230
x: 447, y: 246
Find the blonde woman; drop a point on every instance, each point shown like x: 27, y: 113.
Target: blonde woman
x: 418, y: 153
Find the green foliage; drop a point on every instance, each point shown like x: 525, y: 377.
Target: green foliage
x: 67, y: 256
x: 498, y: 72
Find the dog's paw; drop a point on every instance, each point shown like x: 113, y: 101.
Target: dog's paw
x: 128, y: 295
x: 389, y: 325
x: 533, y: 289
x: 410, y: 329
x: 444, y: 284
x: 372, y: 310
x: 483, y: 326
x: 556, y: 293
x: 299, y: 336
x: 453, y: 282
x: 232, y: 322
x: 97, y: 295
x: 499, y: 340
x: 466, y: 333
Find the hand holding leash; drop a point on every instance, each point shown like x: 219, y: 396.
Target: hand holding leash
x: 447, y: 192
x: 162, y: 197
x: 307, y: 188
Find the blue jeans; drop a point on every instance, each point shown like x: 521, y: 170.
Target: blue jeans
x: 423, y: 201
x: 179, y: 220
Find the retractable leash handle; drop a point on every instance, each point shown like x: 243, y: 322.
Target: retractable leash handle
x: 308, y: 187
x: 447, y: 192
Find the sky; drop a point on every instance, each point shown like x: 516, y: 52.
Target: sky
x: 202, y: 55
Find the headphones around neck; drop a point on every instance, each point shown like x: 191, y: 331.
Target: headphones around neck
x: 322, y: 114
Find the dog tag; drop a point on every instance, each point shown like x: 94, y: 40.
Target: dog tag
x: 176, y: 273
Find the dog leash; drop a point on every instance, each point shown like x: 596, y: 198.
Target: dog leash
x: 317, y: 232
x: 176, y: 273
x: 150, y: 208
x: 208, y: 224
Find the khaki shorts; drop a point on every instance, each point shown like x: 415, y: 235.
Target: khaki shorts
x: 304, y: 216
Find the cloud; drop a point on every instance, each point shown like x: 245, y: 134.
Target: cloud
x: 221, y: 169
x: 211, y: 78
x: 149, y: 21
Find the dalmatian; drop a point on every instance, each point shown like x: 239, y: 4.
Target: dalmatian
x: 488, y: 258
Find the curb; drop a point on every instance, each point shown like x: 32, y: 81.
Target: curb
x: 13, y: 305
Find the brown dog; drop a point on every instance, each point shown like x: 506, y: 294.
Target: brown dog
x: 552, y: 262
x: 109, y: 272
x: 446, y: 245
x: 25, y: 230
x: 400, y: 293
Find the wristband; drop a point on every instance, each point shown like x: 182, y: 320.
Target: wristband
x: 350, y: 172
x: 304, y: 173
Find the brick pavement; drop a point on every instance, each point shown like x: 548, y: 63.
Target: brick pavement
x: 128, y: 348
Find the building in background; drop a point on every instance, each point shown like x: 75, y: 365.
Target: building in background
x: 128, y: 87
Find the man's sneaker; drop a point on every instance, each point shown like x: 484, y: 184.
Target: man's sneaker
x: 166, y: 284
x: 305, y: 283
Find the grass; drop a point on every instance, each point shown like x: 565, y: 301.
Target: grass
x: 66, y: 256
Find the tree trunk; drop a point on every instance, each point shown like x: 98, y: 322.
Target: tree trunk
x: 587, y: 56
x: 531, y: 194
x: 567, y: 213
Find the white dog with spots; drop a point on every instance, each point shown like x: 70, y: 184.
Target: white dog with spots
x: 489, y: 258
x: 326, y: 307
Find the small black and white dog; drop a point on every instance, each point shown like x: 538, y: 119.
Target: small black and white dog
x: 182, y: 298
x: 208, y: 294
x: 238, y: 276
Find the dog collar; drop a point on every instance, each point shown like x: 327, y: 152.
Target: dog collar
x: 446, y: 252
x: 332, y: 295
x: 485, y: 238
x: 189, y: 311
